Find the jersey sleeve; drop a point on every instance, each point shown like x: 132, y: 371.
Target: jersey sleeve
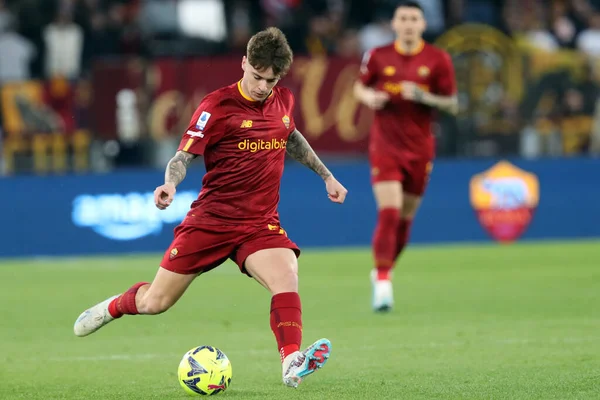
x: 206, y: 127
x: 368, y: 68
x: 445, y: 81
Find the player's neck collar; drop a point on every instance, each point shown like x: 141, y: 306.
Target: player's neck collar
x: 248, y: 98
x: 416, y: 50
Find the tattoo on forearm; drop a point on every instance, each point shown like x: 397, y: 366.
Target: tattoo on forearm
x: 299, y: 149
x: 447, y: 104
x: 177, y: 167
x: 419, y: 94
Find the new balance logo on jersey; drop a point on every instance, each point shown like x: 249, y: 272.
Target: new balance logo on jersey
x: 255, y: 145
x: 247, y: 123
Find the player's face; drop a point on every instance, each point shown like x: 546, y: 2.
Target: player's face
x: 408, y: 23
x: 258, y: 83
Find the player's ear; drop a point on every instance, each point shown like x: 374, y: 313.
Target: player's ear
x: 244, y: 60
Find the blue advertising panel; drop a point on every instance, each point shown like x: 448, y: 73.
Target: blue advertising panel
x: 115, y: 213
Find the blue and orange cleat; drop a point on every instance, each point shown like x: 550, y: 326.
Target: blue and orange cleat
x: 300, y: 364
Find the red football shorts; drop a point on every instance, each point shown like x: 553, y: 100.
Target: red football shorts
x: 198, y: 249
x: 414, y: 174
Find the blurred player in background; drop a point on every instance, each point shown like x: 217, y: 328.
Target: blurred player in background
x: 404, y: 82
x: 243, y: 131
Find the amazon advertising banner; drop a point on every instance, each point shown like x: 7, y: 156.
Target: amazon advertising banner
x: 467, y: 201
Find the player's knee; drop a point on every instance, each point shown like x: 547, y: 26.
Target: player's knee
x: 286, y: 282
x: 409, y: 214
x: 153, y: 305
x: 389, y: 217
x: 411, y: 205
x: 388, y: 194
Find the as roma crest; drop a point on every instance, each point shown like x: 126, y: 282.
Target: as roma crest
x: 505, y: 198
x: 286, y: 121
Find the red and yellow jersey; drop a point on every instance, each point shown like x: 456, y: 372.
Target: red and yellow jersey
x: 403, y: 128
x: 243, y: 143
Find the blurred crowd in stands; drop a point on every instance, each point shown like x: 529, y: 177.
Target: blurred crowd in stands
x: 46, y: 39
x: 42, y: 38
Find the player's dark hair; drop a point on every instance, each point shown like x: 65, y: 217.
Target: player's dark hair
x: 270, y: 48
x: 409, y: 4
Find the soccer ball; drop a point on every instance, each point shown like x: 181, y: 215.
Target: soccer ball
x: 204, y: 370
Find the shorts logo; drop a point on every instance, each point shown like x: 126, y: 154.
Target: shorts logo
x: 173, y: 253
x: 202, y: 120
x: 256, y: 145
x: 275, y: 228
x: 247, y: 123
x: 428, y: 170
x: 389, y: 70
x: 429, y: 167
x: 286, y: 121
x: 505, y: 198
x: 423, y: 71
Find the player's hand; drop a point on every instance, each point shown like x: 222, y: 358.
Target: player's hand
x: 335, y: 191
x: 411, y: 91
x: 163, y: 195
x: 376, y: 99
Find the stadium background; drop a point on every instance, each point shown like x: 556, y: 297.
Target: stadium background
x: 95, y: 95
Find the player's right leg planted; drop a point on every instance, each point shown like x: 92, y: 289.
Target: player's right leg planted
x: 385, y: 243
x: 286, y: 324
x: 277, y: 270
x: 384, y: 252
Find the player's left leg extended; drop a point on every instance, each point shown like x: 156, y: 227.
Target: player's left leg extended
x: 142, y: 298
x: 194, y: 250
x: 277, y: 270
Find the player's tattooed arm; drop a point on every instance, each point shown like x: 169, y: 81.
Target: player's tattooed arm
x: 299, y: 149
x: 447, y: 104
x: 177, y: 167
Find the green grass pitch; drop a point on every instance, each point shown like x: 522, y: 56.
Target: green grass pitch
x: 471, y: 322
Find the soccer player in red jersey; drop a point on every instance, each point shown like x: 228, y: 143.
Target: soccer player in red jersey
x: 404, y: 82
x: 243, y: 131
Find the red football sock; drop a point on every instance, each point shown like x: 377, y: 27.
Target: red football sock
x: 403, y: 235
x: 286, y: 322
x: 385, y: 241
x: 125, y: 303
